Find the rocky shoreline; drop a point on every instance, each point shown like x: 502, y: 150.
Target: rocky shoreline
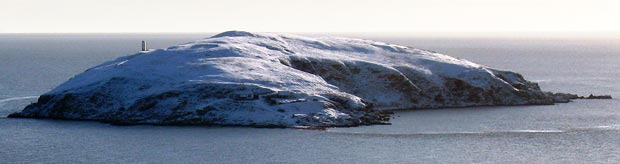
x: 376, y: 117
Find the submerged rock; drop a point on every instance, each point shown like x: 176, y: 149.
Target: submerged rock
x: 242, y: 78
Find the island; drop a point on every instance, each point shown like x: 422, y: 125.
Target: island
x: 277, y: 80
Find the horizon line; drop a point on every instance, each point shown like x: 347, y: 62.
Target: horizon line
x: 457, y: 34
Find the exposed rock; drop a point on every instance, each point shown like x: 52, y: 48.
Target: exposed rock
x: 598, y: 97
x: 562, y: 97
x: 567, y: 97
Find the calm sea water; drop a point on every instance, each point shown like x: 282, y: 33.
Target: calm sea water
x: 585, y: 131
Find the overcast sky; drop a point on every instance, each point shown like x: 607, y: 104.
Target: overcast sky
x: 79, y: 16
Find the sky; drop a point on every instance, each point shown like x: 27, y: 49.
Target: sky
x: 395, y: 16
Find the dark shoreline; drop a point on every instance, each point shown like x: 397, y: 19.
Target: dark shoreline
x: 384, y: 114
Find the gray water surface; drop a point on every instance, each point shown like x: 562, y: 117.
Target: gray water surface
x: 584, y: 131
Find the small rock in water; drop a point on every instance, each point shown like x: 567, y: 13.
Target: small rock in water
x: 598, y: 97
x: 567, y: 97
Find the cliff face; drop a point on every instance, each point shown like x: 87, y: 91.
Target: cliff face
x: 241, y: 78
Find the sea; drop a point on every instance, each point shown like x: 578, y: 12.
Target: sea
x: 583, y: 131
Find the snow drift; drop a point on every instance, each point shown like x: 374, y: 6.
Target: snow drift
x: 242, y: 78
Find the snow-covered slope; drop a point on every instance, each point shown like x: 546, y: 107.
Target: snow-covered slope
x: 241, y: 78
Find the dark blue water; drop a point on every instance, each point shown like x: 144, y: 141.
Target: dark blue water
x: 584, y: 131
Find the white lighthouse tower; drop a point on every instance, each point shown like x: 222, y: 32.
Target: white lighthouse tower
x: 144, y: 46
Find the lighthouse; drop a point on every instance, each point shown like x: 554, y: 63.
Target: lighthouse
x: 143, y: 45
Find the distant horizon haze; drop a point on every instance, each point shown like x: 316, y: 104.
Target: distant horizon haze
x: 311, y: 16
x: 455, y: 35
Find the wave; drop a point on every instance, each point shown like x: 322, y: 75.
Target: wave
x: 18, y: 98
x: 603, y: 127
x: 541, y: 80
x: 451, y: 133
x: 527, y: 131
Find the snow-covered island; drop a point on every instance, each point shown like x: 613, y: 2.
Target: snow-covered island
x: 249, y: 79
